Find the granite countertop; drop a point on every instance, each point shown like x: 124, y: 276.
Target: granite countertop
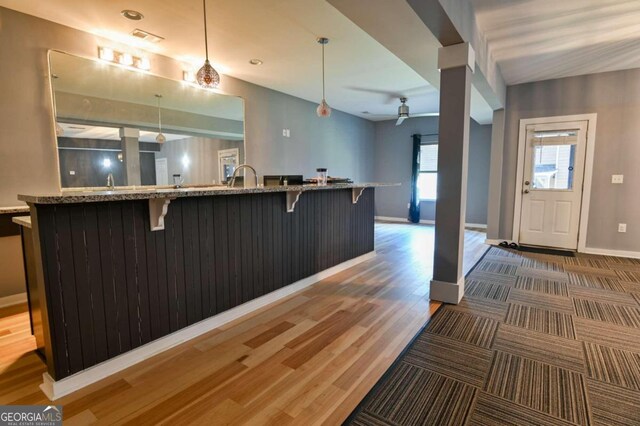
x: 90, y: 196
x: 14, y: 209
x: 22, y: 221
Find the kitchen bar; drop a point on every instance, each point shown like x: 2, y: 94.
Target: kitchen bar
x: 109, y: 283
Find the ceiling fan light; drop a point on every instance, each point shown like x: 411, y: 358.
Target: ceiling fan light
x: 323, y: 110
x: 207, y: 76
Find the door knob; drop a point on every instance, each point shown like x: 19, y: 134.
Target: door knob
x: 526, y: 191
x: 526, y: 182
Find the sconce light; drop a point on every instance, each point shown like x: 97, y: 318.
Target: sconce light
x: 124, y: 58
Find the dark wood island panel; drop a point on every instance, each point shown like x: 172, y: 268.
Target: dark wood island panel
x: 112, y: 285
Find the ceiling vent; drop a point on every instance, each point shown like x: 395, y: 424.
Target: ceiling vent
x: 146, y: 36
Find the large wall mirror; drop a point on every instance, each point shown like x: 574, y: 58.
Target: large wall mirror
x: 108, y: 119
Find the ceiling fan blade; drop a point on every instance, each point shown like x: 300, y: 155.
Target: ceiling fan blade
x: 400, y: 120
x: 426, y: 114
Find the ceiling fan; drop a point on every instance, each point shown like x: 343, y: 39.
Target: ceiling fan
x: 403, y: 112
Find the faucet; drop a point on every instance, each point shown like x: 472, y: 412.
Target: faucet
x: 235, y: 173
x: 110, y: 182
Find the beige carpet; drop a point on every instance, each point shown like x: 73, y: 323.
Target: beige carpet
x: 537, y: 340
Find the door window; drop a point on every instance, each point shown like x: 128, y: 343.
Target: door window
x: 553, y: 160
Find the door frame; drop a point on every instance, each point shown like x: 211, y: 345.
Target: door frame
x: 591, y: 120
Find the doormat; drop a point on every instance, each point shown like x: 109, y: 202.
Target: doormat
x: 543, y: 250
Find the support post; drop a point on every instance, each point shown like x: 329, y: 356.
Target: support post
x: 456, y: 63
x: 129, y: 139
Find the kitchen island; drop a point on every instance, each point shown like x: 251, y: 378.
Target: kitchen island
x: 125, y: 274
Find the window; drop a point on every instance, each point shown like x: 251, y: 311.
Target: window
x: 428, y: 178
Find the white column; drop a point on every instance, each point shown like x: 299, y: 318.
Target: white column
x: 131, y: 152
x: 456, y: 63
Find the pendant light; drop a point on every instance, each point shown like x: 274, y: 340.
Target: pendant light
x: 323, y: 110
x: 160, y: 138
x: 207, y: 76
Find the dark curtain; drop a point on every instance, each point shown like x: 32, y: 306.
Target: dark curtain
x: 414, y: 205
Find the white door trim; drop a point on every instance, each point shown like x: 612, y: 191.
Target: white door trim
x: 588, y: 171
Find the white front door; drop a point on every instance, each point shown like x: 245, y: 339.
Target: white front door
x: 552, y: 184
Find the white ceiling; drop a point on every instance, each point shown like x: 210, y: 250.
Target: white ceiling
x: 362, y: 75
x: 110, y: 133
x: 535, y: 40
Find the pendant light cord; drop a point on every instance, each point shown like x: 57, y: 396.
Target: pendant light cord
x: 159, y: 115
x: 323, y: 95
x: 206, y: 44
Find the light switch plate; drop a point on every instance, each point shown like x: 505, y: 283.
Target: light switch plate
x: 622, y: 227
x: 617, y: 178
x: 72, y: 172
x: 286, y: 133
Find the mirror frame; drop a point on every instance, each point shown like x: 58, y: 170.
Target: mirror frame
x: 54, y: 115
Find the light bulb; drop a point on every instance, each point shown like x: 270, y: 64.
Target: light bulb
x: 208, y: 77
x: 323, y: 110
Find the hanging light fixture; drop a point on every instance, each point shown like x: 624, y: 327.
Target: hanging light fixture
x: 207, y: 76
x: 59, y: 130
x: 160, y: 138
x: 323, y: 110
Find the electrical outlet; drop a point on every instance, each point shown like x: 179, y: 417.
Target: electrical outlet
x: 72, y: 172
x: 617, y: 178
x: 622, y: 227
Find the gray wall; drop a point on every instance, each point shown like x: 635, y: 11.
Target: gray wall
x: 614, y: 97
x: 393, y: 148
x: 203, y: 153
x: 28, y: 158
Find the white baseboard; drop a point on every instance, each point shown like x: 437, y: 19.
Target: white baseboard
x: 426, y: 221
x: 14, y: 299
x: 608, y: 252
x: 446, y: 292
x: 57, y: 389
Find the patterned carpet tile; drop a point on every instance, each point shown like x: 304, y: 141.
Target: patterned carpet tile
x: 482, y: 307
x: 480, y: 289
x: 495, y: 411
x: 607, y: 334
x: 601, y: 295
x: 467, y: 328
x: 612, y: 405
x: 506, y: 280
x: 414, y: 396
x: 595, y: 282
x: 630, y: 287
x: 599, y: 311
x: 612, y: 365
x: 496, y: 267
x: 597, y: 271
x: 629, y: 276
x: 540, y: 285
x: 511, y: 260
x: 499, y: 251
x: 451, y: 358
x: 542, y: 320
x: 558, y: 351
x: 543, y: 264
x: 539, y: 386
x: 542, y: 301
x: 624, y: 267
x: 542, y: 273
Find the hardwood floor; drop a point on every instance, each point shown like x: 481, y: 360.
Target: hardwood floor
x: 308, y: 359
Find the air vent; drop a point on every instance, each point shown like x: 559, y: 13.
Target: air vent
x: 144, y: 35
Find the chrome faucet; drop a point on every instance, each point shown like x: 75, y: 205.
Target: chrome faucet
x: 110, y: 182
x: 235, y: 173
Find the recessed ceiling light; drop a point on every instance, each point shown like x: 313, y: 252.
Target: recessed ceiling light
x: 256, y: 62
x: 134, y: 15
